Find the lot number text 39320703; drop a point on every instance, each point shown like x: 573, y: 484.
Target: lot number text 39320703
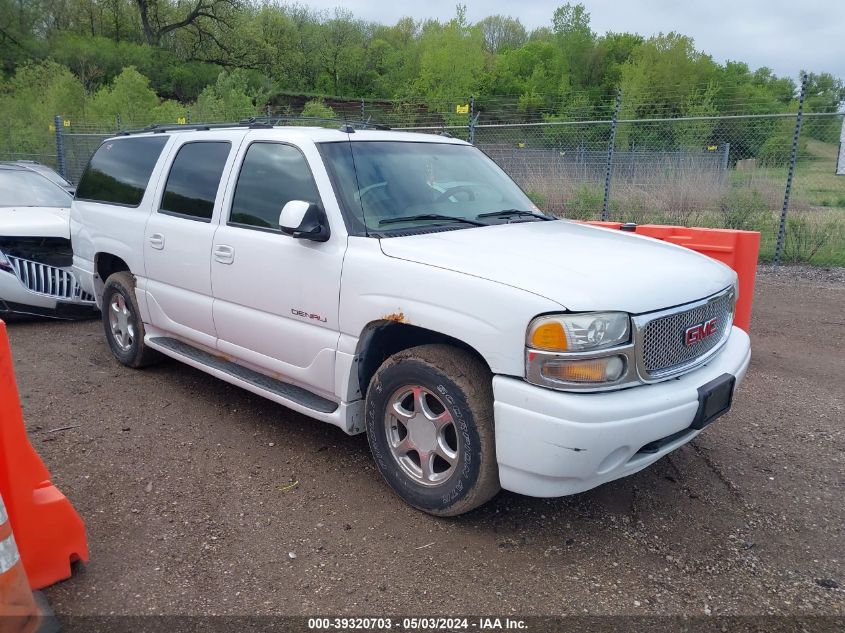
x: 416, y: 624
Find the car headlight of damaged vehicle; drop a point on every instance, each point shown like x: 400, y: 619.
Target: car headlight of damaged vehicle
x: 5, y: 264
x: 578, y: 350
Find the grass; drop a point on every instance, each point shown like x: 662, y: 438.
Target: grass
x: 814, y: 182
x: 749, y: 199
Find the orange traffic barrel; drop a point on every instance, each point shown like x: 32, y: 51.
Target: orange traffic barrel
x: 49, y: 533
x: 18, y: 611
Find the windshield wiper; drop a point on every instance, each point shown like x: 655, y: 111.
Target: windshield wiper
x: 506, y: 213
x: 430, y: 216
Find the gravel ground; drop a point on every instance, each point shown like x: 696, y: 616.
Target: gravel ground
x: 201, y: 498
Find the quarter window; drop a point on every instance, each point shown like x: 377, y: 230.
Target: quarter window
x: 272, y: 175
x: 120, y: 170
x: 194, y: 179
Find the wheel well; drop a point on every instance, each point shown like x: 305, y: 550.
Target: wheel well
x: 383, y: 339
x: 107, y: 264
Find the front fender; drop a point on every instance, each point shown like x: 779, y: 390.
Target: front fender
x: 487, y: 316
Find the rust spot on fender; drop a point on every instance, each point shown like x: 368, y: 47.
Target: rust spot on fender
x: 399, y: 317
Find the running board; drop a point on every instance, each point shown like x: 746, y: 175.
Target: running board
x: 241, y: 375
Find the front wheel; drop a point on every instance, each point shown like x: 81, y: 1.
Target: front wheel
x: 122, y: 322
x: 429, y: 415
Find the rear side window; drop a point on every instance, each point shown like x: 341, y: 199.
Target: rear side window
x: 193, y: 180
x: 120, y: 170
x: 272, y: 175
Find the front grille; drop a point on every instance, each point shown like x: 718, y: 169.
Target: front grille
x: 664, y: 350
x: 48, y: 280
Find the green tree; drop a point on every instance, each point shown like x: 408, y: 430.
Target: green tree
x: 317, y: 108
x: 451, y: 62
x: 231, y: 98
x: 825, y: 93
x: 501, y: 32
x: 30, y: 99
x: 341, y: 52
x: 19, y: 42
x: 528, y: 72
x: 162, y: 17
x: 571, y: 26
x: 130, y: 99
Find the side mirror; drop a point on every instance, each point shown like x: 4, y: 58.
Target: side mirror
x: 304, y: 220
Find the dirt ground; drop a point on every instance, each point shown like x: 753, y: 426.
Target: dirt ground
x: 201, y: 498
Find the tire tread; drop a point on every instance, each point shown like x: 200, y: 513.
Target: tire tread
x: 475, y: 381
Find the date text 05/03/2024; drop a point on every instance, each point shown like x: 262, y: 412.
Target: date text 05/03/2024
x: 417, y: 624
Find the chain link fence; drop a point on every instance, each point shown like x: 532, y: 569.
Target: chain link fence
x: 31, y: 144
x: 738, y: 171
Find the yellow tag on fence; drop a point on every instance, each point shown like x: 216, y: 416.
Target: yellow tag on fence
x: 181, y: 120
x: 712, y: 148
x: 66, y: 122
x: 52, y: 128
x: 462, y: 109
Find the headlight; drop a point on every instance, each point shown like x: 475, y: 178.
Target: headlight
x: 5, y: 264
x: 579, y: 351
x: 579, y: 332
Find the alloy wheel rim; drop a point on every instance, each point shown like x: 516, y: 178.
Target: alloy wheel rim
x: 422, y: 435
x: 120, y: 321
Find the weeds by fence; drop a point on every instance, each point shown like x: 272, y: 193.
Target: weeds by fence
x: 728, y: 171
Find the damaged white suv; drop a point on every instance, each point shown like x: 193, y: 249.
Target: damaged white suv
x: 35, y: 252
x: 403, y: 285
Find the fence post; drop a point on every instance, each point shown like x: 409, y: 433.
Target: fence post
x: 790, y: 172
x: 726, y: 152
x: 58, y: 123
x: 605, y: 214
x: 363, y: 114
x: 472, y: 120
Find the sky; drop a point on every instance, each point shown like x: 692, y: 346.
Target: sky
x: 785, y: 35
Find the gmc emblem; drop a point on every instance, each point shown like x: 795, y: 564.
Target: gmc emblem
x: 698, y: 333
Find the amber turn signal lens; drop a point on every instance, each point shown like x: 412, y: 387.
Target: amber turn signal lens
x: 549, y: 335
x: 596, y: 370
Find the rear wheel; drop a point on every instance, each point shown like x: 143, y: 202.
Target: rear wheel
x: 122, y: 322
x: 429, y: 417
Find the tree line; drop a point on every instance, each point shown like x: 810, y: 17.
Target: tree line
x: 163, y: 59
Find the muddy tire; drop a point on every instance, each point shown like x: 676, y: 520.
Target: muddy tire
x: 122, y: 322
x: 429, y: 417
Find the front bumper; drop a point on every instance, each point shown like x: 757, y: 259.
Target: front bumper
x: 16, y: 299
x: 552, y: 443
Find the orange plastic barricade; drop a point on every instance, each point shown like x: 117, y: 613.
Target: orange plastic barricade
x: 737, y: 249
x: 49, y: 533
x: 18, y: 611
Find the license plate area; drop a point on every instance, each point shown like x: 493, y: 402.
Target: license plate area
x: 714, y: 400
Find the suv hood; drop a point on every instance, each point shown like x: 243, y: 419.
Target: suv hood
x: 579, y: 266
x: 35, y: 222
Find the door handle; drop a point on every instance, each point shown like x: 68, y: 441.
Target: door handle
x: 157, y: 241
x: 224, y: 254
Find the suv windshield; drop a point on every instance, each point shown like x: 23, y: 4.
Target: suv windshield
x: 24, y: 188
x: 402, y: 185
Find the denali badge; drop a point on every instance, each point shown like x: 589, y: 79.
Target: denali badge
x: 698, y: 333
x: 308, y: 315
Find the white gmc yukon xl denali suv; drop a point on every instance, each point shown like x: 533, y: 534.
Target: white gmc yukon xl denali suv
x: 402, y: 285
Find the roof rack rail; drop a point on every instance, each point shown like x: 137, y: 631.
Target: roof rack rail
x: 259, y: 122
x: 277, y: 119
x: 158, y: 128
